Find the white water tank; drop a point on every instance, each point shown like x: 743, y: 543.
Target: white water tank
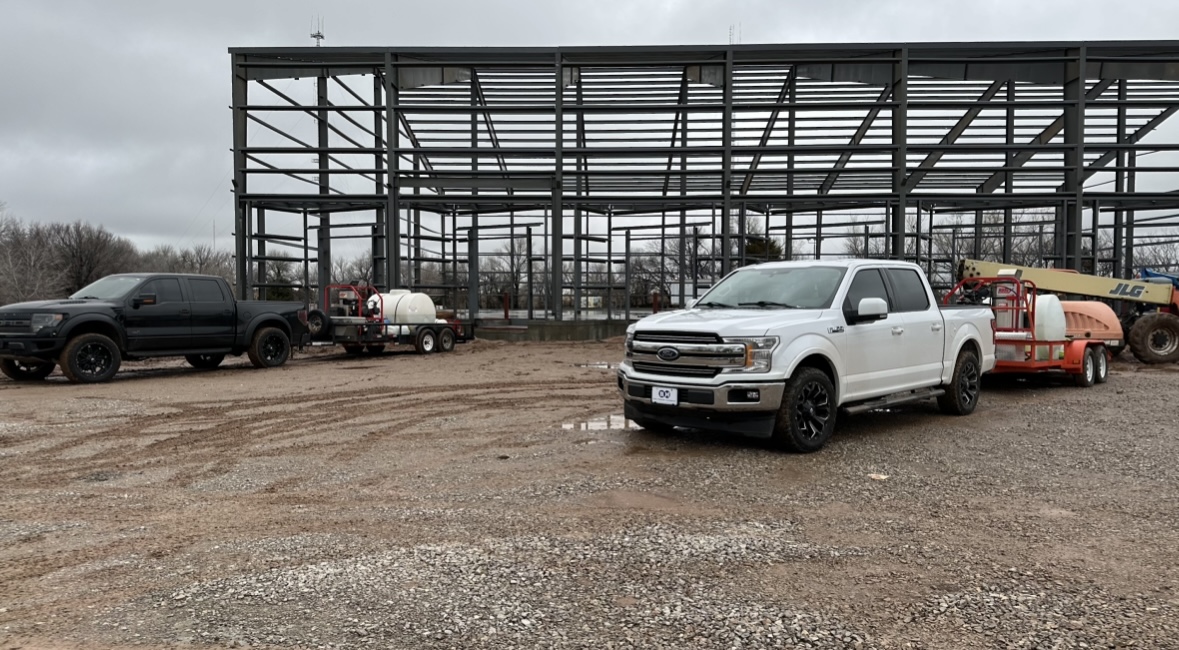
x: 1050, y: 324
x: 403, y: 307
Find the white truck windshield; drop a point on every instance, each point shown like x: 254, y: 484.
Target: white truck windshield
x: 810, y: 287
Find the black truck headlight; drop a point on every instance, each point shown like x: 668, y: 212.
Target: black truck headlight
x: 41, y: 321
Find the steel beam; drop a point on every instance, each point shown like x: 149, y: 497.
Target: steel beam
x: 952, y: 136
x: 900, y: 138
x: 784, y: 95
x: 858, y: 137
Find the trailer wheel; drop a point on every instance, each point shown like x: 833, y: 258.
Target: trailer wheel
x: 1088, y: 374
x: 1154, y: 338
x: 961, y: 395
x: 270, y: 348
x: 204, y: 361
x: 1102, y: 360
x: 806, y: 418
x: 318, y: 325
x: 446, y: 340
x: 25, y: 370
x: 90, y: 359
x: 375, y: 349
x: 426, y: 342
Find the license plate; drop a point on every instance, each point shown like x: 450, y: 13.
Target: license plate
x: 661, y: 395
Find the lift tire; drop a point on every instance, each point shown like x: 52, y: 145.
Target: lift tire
x: 806, y: 418
x: 961, y: 396
x: 90, y: 359
x: 270, y: 348
x: 319, y: 325
x: 204, y: 361
x: 1102, y: 359
x: 446, y: 340
x: 25, y: 370
x: 1154, y: 338
x: 426, y: 342
x: 1088, y: 375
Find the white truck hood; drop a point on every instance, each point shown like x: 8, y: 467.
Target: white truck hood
x: 727, y: 322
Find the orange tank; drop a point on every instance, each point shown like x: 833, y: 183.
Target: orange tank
x: 1089, y: 319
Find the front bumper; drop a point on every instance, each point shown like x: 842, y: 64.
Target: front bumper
x: 725, y: 407
x: 30, y: 348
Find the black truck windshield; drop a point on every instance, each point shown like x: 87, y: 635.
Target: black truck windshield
x: 809, y: 287
x: 112, y: 287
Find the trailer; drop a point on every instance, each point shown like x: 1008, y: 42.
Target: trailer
x: 1150, y: 326
x: 362, y: 319
x: 1032, y: 331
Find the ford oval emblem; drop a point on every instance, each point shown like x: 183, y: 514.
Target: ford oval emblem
x: 668, y: 354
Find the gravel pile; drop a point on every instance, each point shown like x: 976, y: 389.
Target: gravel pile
x: 655, y: 586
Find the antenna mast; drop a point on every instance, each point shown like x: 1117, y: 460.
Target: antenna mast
x: 317, y: 30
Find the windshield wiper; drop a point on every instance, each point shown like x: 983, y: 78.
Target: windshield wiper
x: 767, y: 303
x: 712, y: 303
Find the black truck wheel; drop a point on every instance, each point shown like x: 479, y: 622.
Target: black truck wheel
x: 961, y: 396
x: 426, y: 342
x: 90, y: 359
x: 319, y: 325
x: 446, y: 340
x: 1154, y: 338
x: 26, y: 370
x: 270, y: 348
x: 204, y: 361
x: 806, y: 418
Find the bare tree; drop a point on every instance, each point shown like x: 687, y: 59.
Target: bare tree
x: 28, y: 265
x: 85, y: 253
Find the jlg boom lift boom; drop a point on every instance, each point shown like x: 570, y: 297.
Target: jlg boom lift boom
x: 1151, y: 330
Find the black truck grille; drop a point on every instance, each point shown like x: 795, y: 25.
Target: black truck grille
x: 11, y: 323
x: 675, y: 371
x: 677, y: 337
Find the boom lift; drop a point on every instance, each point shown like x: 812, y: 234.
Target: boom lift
x: 1151, y: 330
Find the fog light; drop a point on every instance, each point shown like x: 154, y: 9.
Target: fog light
x: 744, y: 396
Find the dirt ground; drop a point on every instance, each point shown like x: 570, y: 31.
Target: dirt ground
x: 494, y: 497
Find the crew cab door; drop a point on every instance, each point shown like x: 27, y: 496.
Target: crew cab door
x: 872, y: 353
x: 924, y: 337
x: 157, y: 317
x: 213, y: 319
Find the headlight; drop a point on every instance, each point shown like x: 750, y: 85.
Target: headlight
x: 759, y: 352
x: 630, y: 342
x: 39, y: 321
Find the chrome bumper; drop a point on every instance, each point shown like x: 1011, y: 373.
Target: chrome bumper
x: 725, y: 398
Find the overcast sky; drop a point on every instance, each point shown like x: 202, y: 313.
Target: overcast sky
x: 115, y: 112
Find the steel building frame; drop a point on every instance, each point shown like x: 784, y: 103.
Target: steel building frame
x: 892, y: 143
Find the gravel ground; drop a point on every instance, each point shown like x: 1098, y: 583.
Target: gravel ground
x: 495, y: 498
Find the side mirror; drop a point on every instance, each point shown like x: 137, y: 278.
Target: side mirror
x: 143, y: 299
x: 869, y: 309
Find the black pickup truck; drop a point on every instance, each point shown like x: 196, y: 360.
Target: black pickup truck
x: 133, y: 316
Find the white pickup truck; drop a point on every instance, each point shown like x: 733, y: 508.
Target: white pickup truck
x: 775, y: 350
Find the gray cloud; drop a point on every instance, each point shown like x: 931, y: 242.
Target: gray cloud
x: 116, y: 112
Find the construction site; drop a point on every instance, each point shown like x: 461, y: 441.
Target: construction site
x: 667, y: 167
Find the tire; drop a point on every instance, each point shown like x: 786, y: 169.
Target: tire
x: 1154, y: 338
x: 204, y: 361
x: 961, y: 396
x: 446, y: 340
x: 806, y: 418
x: 270, y: 348
x: 353, y: 349
x: 319, y: 325
x: 1088, y: 374
x: 90, y: 359
x: 426, y: 342
x: 26, y: 371
x: 1102, y: 374
x: 375, y: 349
x: 655, y: 427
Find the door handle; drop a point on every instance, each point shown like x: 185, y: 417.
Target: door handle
x: 937, y: 327
x: 897, y: 331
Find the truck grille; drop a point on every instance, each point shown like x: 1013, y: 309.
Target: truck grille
x: 11, y: 323
x: 695, y: 354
